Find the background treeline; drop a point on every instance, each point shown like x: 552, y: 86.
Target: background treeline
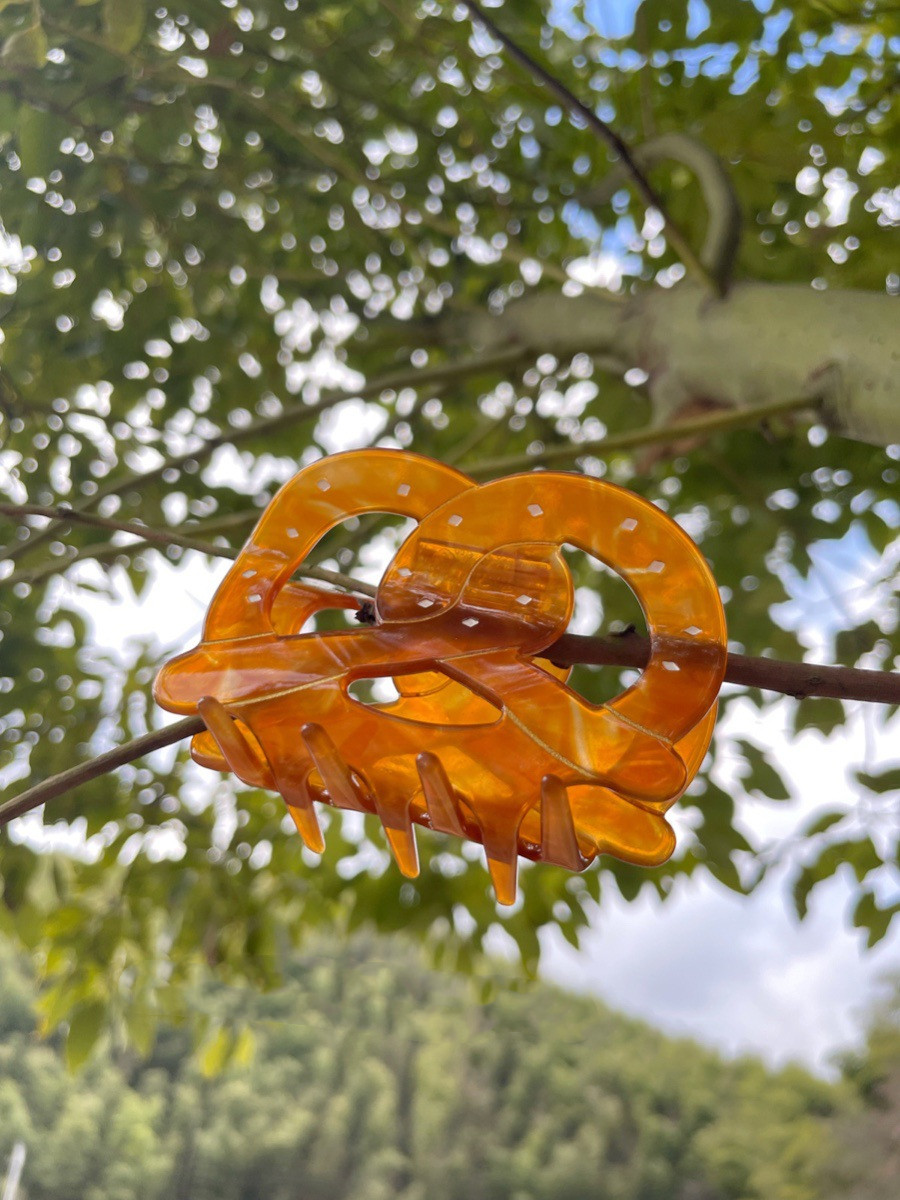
x: 370, y: 1076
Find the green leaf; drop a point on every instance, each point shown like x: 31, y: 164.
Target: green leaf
x: 886, y: 781
x: 141, y: 1021
x: 38, y: 136
x: 819, y: 712
x: 244, y: 1047
x: 725, y: 871
x: 859, y: 853
x: 486, y: 991
x: 25, y: 48
x: 762, y: 776
x: 629, y: 879
x: 56, y: 1003
x: 718, y: 837
x: 123, y: 23
x: 214, y: 1053
x: 823, y: 822
x: 849, y: 644
x: 85, y: 1026
x: 867, y: 915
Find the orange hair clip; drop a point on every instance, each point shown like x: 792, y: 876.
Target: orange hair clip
x: 486, y: 741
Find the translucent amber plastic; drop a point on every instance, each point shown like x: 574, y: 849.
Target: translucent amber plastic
x: 486, y: 740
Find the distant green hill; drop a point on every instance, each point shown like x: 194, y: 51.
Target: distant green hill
x: 374, y: 1077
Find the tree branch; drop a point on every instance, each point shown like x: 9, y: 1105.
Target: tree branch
x: 291, y: 415
x: 723, y: 209
x: 716, y: 422
x: 103, y: 551
x: 799, y: 680
x: 151, y: 537
x: 645, y: 188
x: 67, y: 781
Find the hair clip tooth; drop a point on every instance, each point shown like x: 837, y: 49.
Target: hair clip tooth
x: 501, y: 849
x: 236, y: 750
x: 558, y: 841
x: 504, y: 875
x: 440, y: 798
x: 300, y: 805
x: 336, y: 774
x: 401, y: 837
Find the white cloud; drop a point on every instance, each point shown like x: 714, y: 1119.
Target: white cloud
x: 737, y: 973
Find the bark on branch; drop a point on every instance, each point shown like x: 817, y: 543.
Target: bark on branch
x: 762, y: 342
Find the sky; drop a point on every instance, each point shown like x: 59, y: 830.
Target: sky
x: 740, y: 974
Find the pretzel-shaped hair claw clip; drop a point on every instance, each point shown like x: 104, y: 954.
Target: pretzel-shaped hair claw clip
x: 486, y: 740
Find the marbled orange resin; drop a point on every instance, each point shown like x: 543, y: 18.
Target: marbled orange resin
x: 486, y: 740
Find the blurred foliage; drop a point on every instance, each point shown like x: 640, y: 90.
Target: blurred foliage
x: 213, y: 212
x: 368, y: 1076
x: 866, y: 1158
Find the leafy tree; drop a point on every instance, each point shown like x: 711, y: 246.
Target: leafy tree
x: 865, y: 1163
x: 373, y: 1077
x: 235, y: 231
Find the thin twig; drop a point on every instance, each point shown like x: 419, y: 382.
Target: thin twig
x: 630, y: 650
x: 63, y: 512
x: 645, y: 188
x: 648, y: 124
x: 104, y: 552
x: 733, y: 418
x: 151, y: 537
x: 291, y: 415
x: 67, y: 781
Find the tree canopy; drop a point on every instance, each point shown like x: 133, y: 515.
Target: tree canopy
x: 237, y: 236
